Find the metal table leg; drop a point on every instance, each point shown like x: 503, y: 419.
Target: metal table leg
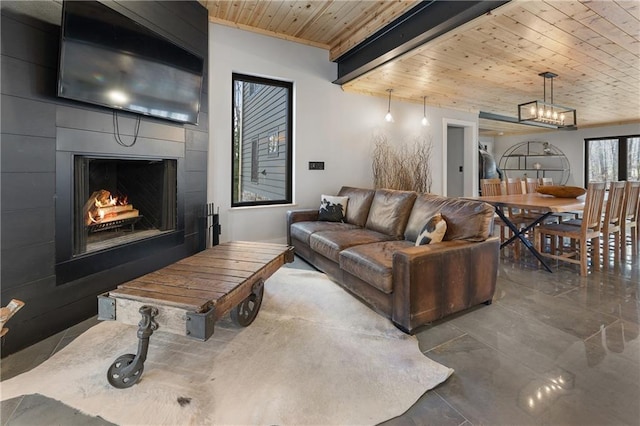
x: 127, y: 369
x: 520, y: 234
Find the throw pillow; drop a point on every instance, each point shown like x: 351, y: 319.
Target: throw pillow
x: 433, y: 231
x: 333, y: 208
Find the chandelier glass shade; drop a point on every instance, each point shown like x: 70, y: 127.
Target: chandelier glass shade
x: 547, y: 112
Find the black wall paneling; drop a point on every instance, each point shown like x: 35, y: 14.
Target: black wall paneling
x: 39, y: 135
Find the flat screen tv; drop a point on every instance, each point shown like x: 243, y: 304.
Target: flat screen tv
x: 109, y: 59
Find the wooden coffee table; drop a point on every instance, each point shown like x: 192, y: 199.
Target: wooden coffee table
x: 189, y: 296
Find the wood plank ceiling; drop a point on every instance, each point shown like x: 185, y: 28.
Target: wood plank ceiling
x: 489, y: 64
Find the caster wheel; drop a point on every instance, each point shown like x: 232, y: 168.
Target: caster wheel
x: 247, y: 310
x: 119, y: 374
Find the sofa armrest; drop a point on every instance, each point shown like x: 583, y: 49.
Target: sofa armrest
x: 300, y: 215
x: 433, y: 281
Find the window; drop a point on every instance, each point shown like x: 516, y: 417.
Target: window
x: 262, y: 142
x: 612, y: 159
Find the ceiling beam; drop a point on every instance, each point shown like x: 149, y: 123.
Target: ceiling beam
x: 421, y: 24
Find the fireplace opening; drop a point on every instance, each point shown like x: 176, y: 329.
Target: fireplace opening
x: 119, y: 201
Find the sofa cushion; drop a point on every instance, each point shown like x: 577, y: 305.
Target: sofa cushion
x: 359, y: 204
x: 466, y: 219
x: 373, y: 262
x: 433, y: 231
x: 303, y: 230
x: 332, y: 208
x: 331, y: 243
x: 390, y: 211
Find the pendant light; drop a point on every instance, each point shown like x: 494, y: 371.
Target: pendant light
x: 545, y: 112
x: 389, y: 117
x: 425, y: 121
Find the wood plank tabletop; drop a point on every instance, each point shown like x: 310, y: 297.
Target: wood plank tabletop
x: 209, y: 278
x: 547, y: 203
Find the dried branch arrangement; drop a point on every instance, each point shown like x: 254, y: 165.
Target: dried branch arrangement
x: 406, y: 167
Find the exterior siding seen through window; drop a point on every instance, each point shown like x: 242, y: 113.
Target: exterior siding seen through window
x: 262, y: 123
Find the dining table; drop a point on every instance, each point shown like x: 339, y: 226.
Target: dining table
x: 535, y: 204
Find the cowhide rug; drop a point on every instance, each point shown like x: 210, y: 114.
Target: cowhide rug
x: 314, y: 355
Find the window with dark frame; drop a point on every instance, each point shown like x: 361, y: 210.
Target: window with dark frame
x: 262, y: 141
x: 612, y: 159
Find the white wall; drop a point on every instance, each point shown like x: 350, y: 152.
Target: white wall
x: 329, y: 125
x: 570, y: 142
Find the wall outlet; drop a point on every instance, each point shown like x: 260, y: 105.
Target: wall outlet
x: 316, y: 165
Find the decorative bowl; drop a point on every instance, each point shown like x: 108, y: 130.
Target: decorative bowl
x: 561, y: 191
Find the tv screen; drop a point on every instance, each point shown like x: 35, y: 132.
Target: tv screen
x: 109, y: 59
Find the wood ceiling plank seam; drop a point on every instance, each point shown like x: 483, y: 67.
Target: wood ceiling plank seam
x: 481, y: 103
x: 252, y: 16
x: 535, y: 58
x: 233, y: 11
x: 222, y: 8
x: 553, y: 18
x: 299, y: 19
x: 289, y: 17
x: 267, y: 15
x: 407, y: 86
x: 547, y: 31
x: 588, y: 56
x: 320, y: 22
x: 266, y: 33
x: 352, y: 14
x: 245, y: 10
x: 601, y: 25
x: 534, y: 41
x: 363, y: 13
x: 378, y: 20
x: 326, y: 24
x: 496, y: 74
x: 313, y: 18
x: 503, y: 50
x: 490, y: 69
x: 322, y: 25
x: 631, y: 7
x: 618, y: 16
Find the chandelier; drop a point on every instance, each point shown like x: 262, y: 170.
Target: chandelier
x: 547, y: 112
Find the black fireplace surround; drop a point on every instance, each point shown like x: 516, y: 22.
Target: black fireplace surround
x: 152, y: 186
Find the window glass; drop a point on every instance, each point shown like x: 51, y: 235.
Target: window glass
x: 603, y: 160
x: 262, y: 123
x: 612, y: 159
x: 633, y: 158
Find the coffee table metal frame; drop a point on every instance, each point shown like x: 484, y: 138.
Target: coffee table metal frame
x: 188, y: 296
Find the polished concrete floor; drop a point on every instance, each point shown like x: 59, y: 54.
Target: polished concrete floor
x: 553, y: 348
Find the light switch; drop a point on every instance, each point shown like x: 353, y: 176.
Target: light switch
x: 316, y: 165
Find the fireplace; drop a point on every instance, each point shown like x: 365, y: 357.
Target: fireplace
x: 113, y: 209
x: 118, y: 201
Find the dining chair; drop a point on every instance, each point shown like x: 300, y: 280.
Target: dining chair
x: 514, y: 186
x: 611, y: 224
x: 532, y: 185
x: 580, y: 236
x: 546, y: 181
x: 630, y: 218
x: 492, y: 187
x: 489, y: 187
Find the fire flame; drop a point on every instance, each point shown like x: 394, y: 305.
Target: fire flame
x: 108, y: 202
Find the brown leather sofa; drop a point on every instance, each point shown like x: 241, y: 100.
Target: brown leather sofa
x: 373, y: 254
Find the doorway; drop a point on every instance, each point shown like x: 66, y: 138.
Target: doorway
x: 455, y: 161
x: 460, y: 158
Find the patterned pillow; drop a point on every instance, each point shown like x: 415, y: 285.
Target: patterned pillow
x: 433, y: 231
x: 333, y: 208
